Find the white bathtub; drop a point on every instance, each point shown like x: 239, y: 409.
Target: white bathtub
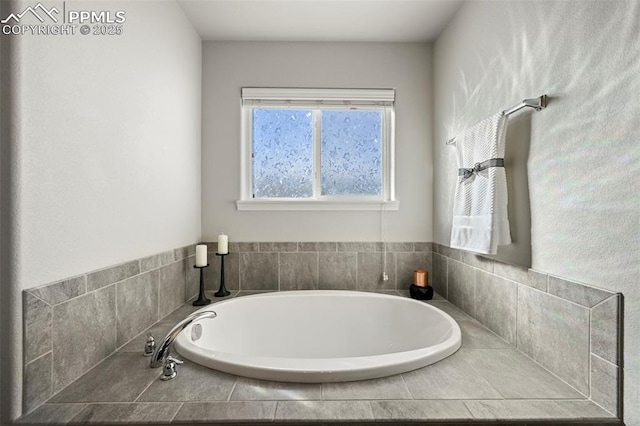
x: 319, y: 336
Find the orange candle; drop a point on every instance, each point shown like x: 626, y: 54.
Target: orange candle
x: 421, y: 278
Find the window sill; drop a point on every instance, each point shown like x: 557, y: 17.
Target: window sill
x: 316, y: 205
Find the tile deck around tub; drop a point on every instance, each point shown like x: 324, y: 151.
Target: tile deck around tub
x: 484, y: 382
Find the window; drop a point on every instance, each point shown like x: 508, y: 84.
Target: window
x: 317, y: 149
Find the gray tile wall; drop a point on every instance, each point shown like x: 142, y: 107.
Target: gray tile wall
x: 555, y: 333
x: 137, y: 301
x: 572, y: 329
x: 498, y: 313
x: 281, y: 266
x: 83, y: 333
x: 74, y: 324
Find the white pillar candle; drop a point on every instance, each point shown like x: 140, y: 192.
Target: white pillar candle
x: 223, y: 244
x: 201, y: 255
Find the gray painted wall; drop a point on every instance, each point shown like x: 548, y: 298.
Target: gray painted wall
x: 108, y: 148
x: 572, y: 168
x: 229, y: 66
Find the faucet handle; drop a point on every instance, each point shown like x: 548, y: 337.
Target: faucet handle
x: 150, y: 345
x: 176, y: 360
x: 169, y: 370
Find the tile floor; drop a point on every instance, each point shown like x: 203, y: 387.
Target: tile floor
x: 484, y: 382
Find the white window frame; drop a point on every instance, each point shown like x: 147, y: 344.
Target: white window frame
x: 315, y: 99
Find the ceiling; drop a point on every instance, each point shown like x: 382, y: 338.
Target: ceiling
x: 320, y: 20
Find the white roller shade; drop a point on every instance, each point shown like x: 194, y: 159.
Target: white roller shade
x: 323, y: 97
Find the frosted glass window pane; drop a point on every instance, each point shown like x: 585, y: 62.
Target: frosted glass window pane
x: 282, y: 153
x: 351, y: 152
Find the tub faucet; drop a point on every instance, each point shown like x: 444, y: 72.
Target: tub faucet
x: 161, y: 353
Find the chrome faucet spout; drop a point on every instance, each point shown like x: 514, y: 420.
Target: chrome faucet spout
x: 162, y: 351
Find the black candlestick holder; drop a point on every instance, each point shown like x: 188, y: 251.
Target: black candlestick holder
x: 202, y: 299
x: 222, y: 292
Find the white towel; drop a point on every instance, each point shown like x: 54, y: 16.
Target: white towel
x: 480, y: 221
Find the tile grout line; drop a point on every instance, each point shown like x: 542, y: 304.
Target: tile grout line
x: 479, y: 372
x: 240, y: 269
x: 52, y: 366
x: 395, y: 272
x: 184, y: 276
x: 373, y: 418
x: 50, y: 351
x: 615, y: 415
x: 357, y: 282
x: 413, y: 397
x: 589, y: 379
x: 28, y: 290
x: 157, y: 283
x: 464, y: 403
x: 446, y: 276
x: 515, y: 344
x: 145, y: 389
x: 176, y: 413
x: 602, y: 302
x: 546, y: 283
x: 52, y: 356
x: 607, y: 361
x: 233, y: 388
x: 115, y: 325
x: 475, y: 294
